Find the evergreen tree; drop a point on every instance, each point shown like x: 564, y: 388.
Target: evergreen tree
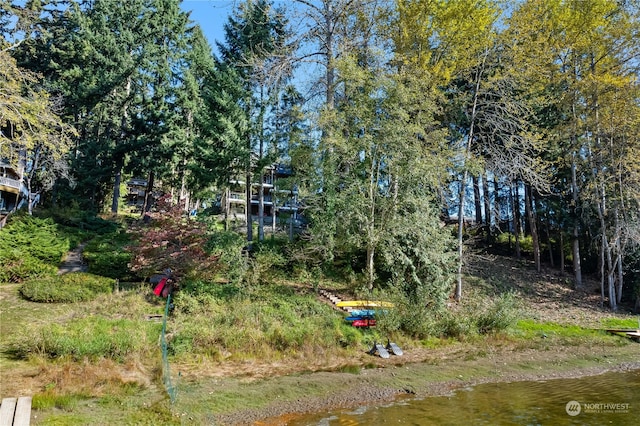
x: 115, y: 66
x: 255, y: 46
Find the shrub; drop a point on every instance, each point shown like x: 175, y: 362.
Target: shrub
x: 106, y: 255
x: 67, y: 288
x: 81, y: 220
x: 499, y: 316
x: 200, y: 288
x: 18, y: 267
x: 266, y: 260
x: 449, y: 324
x: 171, y: 241
x: 38, y: 238
x: 227, y: 247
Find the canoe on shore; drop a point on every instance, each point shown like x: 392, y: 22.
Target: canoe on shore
x: 364, y: 304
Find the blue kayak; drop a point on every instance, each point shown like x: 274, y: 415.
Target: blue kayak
x: 363, y: 312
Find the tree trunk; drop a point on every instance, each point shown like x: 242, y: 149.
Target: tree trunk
x: 547, y: 227
x: 371, y: 231
x: 526, y: 224
x: 119, y: 158
x: 29, y: 175
x: 274, y: 200
x: 461, y: 201
x: 606, y: 261
x: 577, y: 268
x: 116, y: 184
x: 465, y: 176
x: 487, y: 205
x: 248, y: 208
x: 561, y: 250
x: 370, y: 265
x: 517, y: 226
x: 477, y: 202
x: 601, y: 271
x: 184, y: 192
x: 148, y: 194
x: 496, y: 203
x: 531, y: 216
x: 226, y: 206
x: 261, y: 209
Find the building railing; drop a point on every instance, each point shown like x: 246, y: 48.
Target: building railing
x: 11, y: 183
x: 238, y: 196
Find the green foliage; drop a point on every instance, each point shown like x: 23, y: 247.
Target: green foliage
x: 452, y: 324
x: 17, y: 267
x: 42, y: 401
x: 499, y: 316
x: 529, y: 328
x: 82, y: 220
x: 631, y: 323
x: 259, y: 320
x: 422, y: 322
x: 39, y: 238
x: 267, y: 260
x: 418, y: 256
x: 227, y: 247
x: 90, y: 337
x: 31, y: 126
x: 67, y: 288
x: 201, y: 289
x: 106, y: 255
x: 507, y: 239
x: 481, y: 315
x: 30, y: 247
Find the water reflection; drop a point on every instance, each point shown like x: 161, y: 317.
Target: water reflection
x: 611, y: 398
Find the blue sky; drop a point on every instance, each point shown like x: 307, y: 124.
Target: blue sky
x: 211, y: 15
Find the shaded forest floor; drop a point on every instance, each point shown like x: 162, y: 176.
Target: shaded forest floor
x: 549, y: 296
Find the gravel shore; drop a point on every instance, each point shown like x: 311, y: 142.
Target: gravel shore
x: 382, y: 385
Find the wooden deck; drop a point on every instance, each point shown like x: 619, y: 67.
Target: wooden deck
x: 15, y: 411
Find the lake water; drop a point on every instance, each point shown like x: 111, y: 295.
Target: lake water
x: 607, y: 399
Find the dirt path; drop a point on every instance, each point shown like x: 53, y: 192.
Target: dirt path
x: 73, y: 261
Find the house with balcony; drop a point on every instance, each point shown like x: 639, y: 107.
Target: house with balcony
x: 136, y: 191
x: 13, y: 191
x: 279, y: 200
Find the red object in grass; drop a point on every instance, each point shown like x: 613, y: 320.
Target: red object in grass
x: 158, y: 289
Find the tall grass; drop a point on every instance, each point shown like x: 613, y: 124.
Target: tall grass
x: 67, y: 288
x: 260, y: 321
x: 90, y: 337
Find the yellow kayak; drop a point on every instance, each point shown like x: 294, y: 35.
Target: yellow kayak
x: 364, y: 304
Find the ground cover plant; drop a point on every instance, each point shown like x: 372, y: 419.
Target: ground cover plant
x: 67, y: 288
x: 30, y: 246
x: 106, y: 255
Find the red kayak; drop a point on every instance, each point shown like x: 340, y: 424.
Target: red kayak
x: 364, y: 322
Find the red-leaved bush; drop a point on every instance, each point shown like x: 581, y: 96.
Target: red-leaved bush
x: 170, y: 240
